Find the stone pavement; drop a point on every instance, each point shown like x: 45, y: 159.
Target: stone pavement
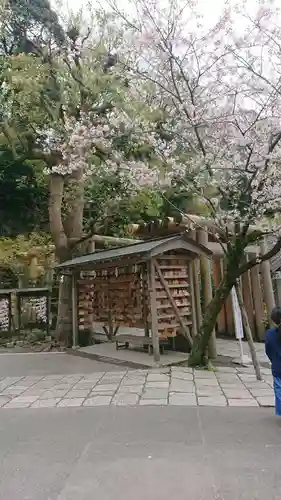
x: 229, y: 348
x: 178, y: 386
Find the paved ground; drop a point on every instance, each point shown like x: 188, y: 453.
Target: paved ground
x: 229, y: 348
x: 182, y: 444
x: 136, y: 453
x: 179, y: 386
x: 23, y: 364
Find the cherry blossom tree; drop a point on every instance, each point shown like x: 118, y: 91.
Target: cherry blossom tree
x: 72, y: 106
x: 217, y: 89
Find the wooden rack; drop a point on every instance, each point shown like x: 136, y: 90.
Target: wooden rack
x: 175, y: 273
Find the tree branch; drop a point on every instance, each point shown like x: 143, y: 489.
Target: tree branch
x: 261, y: 258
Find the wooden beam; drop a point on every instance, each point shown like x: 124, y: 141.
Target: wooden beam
x: 153, y: 312
x: 193, y: 306
x: 163, y: 282
x: 258, y: 301
x: 114, y: 241
x: 248, y: 299
x: 187, y: 221
x: 101, y: 265
x: 217, y: 249
x: 196, y: 283
x: 145, y: 311
x: 74, y: 311
x: 267, y: 283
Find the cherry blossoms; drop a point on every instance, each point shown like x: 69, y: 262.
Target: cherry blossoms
x: 219, y: 93
x: 92, y: 142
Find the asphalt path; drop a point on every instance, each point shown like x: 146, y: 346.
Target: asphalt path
x: 151, y: 453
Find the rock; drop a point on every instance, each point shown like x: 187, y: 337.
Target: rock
x: 36, y: 336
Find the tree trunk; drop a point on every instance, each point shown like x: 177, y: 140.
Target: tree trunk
x: 198, y: 354
x: 64, y: 232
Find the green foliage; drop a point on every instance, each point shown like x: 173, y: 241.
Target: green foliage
x: 29, y: 26
x: 15, y: 250
x: 111, y: 206
x: 23, y: 196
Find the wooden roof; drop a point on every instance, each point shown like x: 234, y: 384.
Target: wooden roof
x: 143, y: 250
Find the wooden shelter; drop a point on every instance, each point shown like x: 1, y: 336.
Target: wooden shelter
x: 257, y: 286
x: 145, y: 285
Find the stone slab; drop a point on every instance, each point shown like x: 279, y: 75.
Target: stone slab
x: 157, y: 385
x: 157, y: 377
x: 266, y: 401
x: 54, y: 394
x: 4, y: 400
x: 153, y: 402
x: 182, y: 376
x: 97, y: 401
x: 206, y: 391
x: 67, y: 402
x: 237, y: 393
x: 14, y: 391
x: 134, y: 389
x: 25, y: 399
x: 204, y: 374
x: 243, y: 402
x: 155, y: 394
x: 16, y: 404
x: 125, y: 399
x: 188, y: 387
x: 83, y: 393
x: 45, y: 403
x: 205, y: 382
x: 212, y: 401
x: 262, y: 392
x: 182, y: 399
x: 105, y: 388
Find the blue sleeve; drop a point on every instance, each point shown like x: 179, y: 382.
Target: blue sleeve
x: 268, y: 347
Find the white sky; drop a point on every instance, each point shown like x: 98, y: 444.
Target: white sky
x: 210, y: 9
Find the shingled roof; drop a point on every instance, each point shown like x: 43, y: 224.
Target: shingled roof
x: 144, y: 250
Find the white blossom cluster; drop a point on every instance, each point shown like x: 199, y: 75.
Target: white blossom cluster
x: 90, y: 141
x: 221, y: 99
x: 217, y: 95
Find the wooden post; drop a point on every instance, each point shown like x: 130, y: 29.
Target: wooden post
x: 247, y: 298
x: 144, y: 300
x: 173, y: 304
x: 267, y: 283
x: 74, y: 311
x: 278, y: 290
x: 153, y: 312
x: 208, y: 293
x: 248, y: 332
x: 258, y: 302
x: 196, y: 284
x: 91, y: 249
x: 217, y: 270
x: 193, y: 305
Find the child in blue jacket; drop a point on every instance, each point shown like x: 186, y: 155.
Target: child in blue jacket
x: 273, y: 351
